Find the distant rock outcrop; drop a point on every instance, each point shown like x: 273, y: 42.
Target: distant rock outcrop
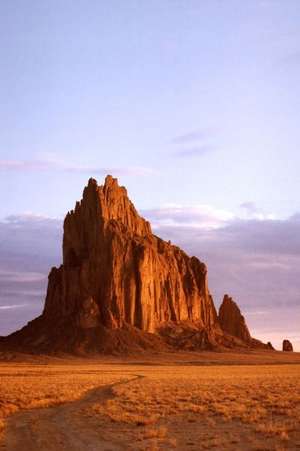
x: 232, y: 321
x: 287, y: 346
x: 122, y: 288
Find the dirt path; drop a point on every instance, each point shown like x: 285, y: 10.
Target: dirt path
x: 62, y: 428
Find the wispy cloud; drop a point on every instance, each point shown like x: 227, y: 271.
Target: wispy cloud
x: 12, y: 306
x: 195, y: 151
x: 249, y: 207
x: 253, y: 212
x: 205, y: 217
x: 30, y: 218
x: 51, y: 165
x: 196, y: 216
x: 193, y: 144
x: 20, y: 276
x: 256, y: 312
x: 192, y: 136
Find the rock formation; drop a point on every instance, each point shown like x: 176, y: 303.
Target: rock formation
x: 233, y: 324
x: 287, y: 346
x: 116, y: 271
x: 120, y: 287
x: 232, y: 321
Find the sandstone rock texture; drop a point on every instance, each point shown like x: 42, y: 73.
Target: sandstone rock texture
x: 287, y: 346
x: 232, y: 321
x: 233, y: 324
x: 116, y: 271
x: 120, y: 287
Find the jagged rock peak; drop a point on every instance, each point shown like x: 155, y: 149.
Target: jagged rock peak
x: 111, y: 202
x: 101, y: 207
x: 232, y: 321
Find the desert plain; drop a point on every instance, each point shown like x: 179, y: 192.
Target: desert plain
x: 183, y: 401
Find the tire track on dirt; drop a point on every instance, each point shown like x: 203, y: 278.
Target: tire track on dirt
x: 63, y: 427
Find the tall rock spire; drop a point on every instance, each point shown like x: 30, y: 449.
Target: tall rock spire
x: 232, y: 321
x: 114, y: 267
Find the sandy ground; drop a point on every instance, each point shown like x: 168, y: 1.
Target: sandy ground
x: 183, y: 403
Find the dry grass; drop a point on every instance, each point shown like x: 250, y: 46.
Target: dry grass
x: 259, y: 400
x: 34, y: 386
x: 169, y: 407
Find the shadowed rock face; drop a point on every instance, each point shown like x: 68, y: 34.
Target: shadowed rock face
x: 232, y: 321
x: 121, y: 288
x: 287, y: 346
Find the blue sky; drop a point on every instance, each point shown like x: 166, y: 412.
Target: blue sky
x: 194, y: 105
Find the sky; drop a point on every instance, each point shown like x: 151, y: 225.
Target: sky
x: 193, y: 105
